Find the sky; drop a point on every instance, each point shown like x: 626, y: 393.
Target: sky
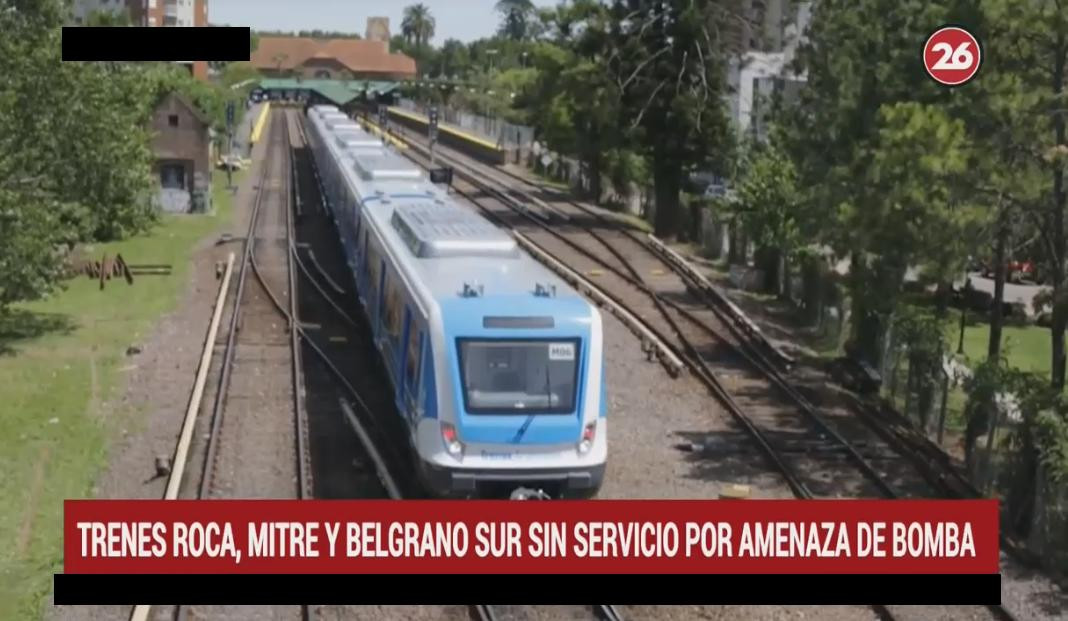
x: 466, y: 20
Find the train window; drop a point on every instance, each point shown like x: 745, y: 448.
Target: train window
x: 535, y: 376
x: 394, y: 305
x: 413, y: 359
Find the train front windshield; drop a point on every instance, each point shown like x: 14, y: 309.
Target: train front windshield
x: 519, y: 376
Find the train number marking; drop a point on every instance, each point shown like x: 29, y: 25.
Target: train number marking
x: 561, y: 351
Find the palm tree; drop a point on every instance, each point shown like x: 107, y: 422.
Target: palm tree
x: 516, y: 17
x: 417, y: 25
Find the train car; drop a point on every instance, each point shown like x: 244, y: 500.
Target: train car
x: 495, y: 364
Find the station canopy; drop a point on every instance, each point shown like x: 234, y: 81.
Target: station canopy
x: 339, y: 92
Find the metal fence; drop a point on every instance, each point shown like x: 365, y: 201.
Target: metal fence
x: 504, y: 134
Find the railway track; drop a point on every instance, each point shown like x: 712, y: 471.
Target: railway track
x: 242, y: 430
x: 814, y: 455
x: 326, y: 272
x: 271, y: 312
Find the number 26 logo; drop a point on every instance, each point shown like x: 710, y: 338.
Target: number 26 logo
x: 952, y: 56
x: 960, y: 58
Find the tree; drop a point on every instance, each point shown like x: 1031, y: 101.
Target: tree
x: 516, y: 18
x: 74, y: 157
x: 573, y: 99
x: 417, y: 25
x: 1033, y: 36
x: 453, y: 59
x: 668, y: 64
x: 769, y: 209
x: 108, y: 18
x: 857, y: 136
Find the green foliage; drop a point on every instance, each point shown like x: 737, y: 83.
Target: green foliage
x: 917, y: 168
x: 237, y: 73
x: 75, y: 130
x: 112, y: 18
x: 517, y: 17
x: 75, y: 162
x: 669, y: 67
x: 768, y: 204
x: 417, y: 27
x: 30, y: 259
x: 883, y: 161
x: 988, y: 379
x: 453, y: 59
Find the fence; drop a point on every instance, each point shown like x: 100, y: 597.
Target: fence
x: 506, y: 135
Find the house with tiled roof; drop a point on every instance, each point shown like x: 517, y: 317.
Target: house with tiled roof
x: 330, y: 59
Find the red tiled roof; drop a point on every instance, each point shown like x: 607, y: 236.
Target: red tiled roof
x: 358, y: 55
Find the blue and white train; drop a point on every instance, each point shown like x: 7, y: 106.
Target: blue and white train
x: 496, y: 364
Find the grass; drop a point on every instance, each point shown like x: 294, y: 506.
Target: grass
x: 60, y: 359
x: 1025, y: 347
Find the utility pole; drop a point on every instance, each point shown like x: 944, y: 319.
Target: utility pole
x: 230, y: 146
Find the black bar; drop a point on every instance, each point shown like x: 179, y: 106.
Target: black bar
x: 148, y: 44
x: 807, y: 589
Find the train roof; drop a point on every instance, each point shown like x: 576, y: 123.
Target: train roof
x: 376, y: 165
x: 357, y: 139
x: 449, y: 249
x: 431, y: 229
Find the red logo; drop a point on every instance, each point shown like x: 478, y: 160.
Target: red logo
x: 952, y: 56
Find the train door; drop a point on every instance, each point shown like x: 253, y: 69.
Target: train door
x: 357, y: 247
x: 372, y: 285
x: 413, y: 361
x: 392, y: 323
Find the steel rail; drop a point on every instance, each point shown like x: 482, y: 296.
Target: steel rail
x: 479, y: 612
x: 703, y: 372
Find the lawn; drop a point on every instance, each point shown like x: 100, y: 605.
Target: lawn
x: 60, y: 359
x: 1026, y: 347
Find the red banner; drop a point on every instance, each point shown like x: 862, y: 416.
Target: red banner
x: 531, y: 537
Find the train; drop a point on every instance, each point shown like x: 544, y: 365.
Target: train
x: 496, y: 365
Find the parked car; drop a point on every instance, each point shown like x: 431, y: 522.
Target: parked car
x: 1015, y: 271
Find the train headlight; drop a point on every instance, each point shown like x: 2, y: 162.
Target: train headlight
x: 451, y: 438
x: 588, y: 434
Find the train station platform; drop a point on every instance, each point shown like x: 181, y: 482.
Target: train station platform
x: 398, y: 144
x: 452, y: 136
x: 337, y: 92
x: 261, y: 121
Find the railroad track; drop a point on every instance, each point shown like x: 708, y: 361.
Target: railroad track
x: 334, y: 286
x: 255, y: 348
x: 271, y: 255
x: 714, y: 348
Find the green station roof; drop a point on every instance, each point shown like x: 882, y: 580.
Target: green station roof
x: 339, y: 92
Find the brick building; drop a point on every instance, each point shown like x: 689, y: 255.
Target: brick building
x: 182, y: 144
x: 331, y: 59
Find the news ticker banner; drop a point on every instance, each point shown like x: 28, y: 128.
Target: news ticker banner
x: 670, y: 542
